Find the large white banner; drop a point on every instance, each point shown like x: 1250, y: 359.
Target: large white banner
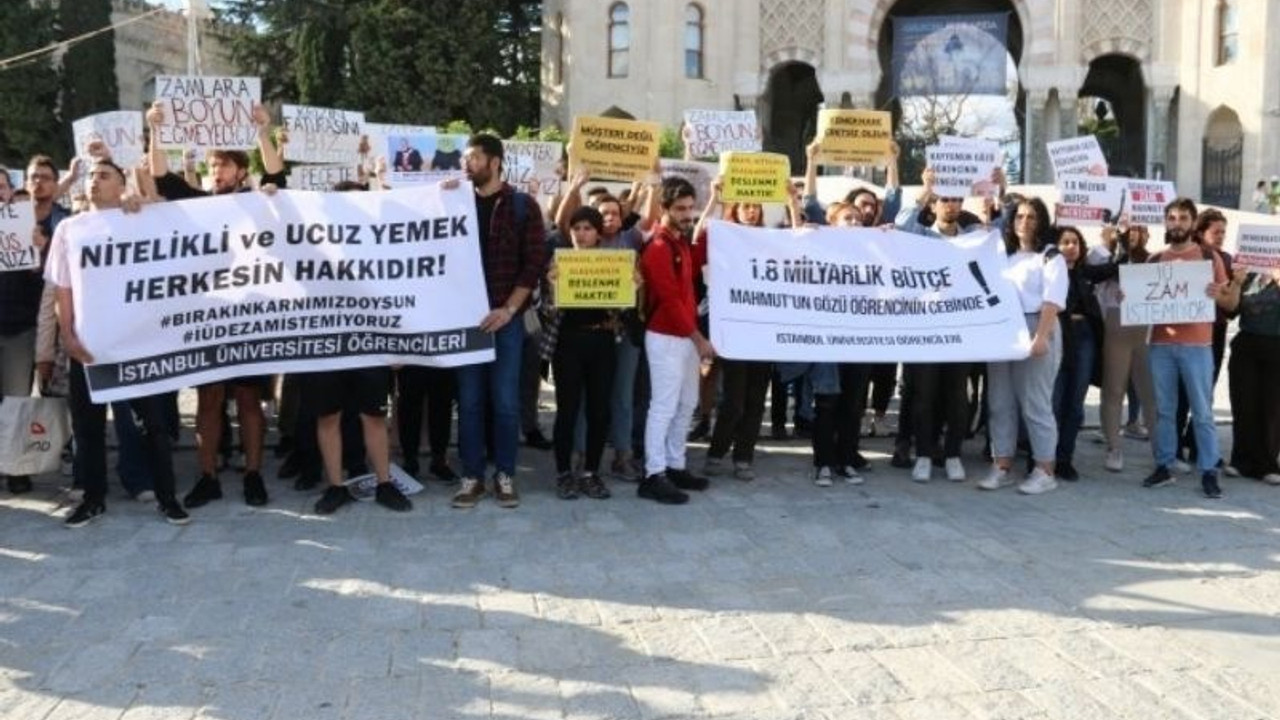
x: 861, y: 295
x: 203, y: 290
x: 322, y: 135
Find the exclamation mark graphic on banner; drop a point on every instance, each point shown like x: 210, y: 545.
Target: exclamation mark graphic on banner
x: 992, y: 300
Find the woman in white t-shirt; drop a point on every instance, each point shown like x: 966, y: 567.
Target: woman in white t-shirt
x: 1026, y: 386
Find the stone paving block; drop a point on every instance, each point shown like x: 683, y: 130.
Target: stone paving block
x: 16, y: 703
x: 166, y: 702
x: 924, y: 672
x: 488, y: 650
x: 800, y: 683
x: 851, y: 630
x: 524, y: 695
x: 385, y: 698
x: 864, y: 680
x: 1068, y: 701
x: 573, y: 611
x: 233, y: 701
x: 361, y: 654
x: 934, y: 708
x: 1010, y: 664
x: 1188, y: 693
x: 673, y: 641
x: 1092, y: 656
x: 734, y: 637
x: 598, y: 696
x: 548, y: 649
x: 1154, y: 648
x: 1002, y: 705
x: 93, y: 666
x: 507, y: 609
x: 414, y: 650
x: 790, y: 634
x: 662, y: 690
x: 1133, y: 700
x: 312, y: 700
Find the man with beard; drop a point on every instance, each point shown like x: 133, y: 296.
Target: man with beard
x: 513, y: 253
x: 1183, y: 354
x: 673, y: 345
x: 88, y: 420
x: 230, y: 170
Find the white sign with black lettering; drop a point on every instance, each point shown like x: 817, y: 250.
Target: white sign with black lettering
x: 1166, y: 293
x: 321, y: 177
x: 964, y: 168
x: 1258, y: 247
x: 322, y: 135
x: 1077, y: 156
x: 17, y: 235
x: 120, y: 131
x: 187, y: 293
x: 207, y: 112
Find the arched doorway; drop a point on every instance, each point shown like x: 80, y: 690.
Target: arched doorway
x: 1222, y: 164
x: 920, y: 119
x: 1117, y: 79
x: 788, y: 111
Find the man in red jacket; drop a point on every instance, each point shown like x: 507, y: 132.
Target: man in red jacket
x: 674, y: 347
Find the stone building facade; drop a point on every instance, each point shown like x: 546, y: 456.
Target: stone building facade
x: 155, y: 46
x: 1194, y: 84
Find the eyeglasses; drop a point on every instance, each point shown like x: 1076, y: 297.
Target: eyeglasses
x: 41, y: 177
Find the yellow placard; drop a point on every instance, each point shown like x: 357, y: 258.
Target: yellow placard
x: 749, y: 177
x: 595, y: 278
x: 854, y: 137
x: 613, y: 149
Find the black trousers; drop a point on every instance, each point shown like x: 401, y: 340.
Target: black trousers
x: 741, y: 410
x: 906, y: 414
x: 883, y: 378
x: 89, y: 424
x: 837, y: 421
x: 941, y: 398
x: 438, y: 388
x: 1255, y: 404
x: 307, y: 447
x: 583, y: 367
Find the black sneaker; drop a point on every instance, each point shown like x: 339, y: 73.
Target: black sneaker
x: 442, y: 472
x: 87, y: 512
x: 859, y: 461
x: 1064, y: 470
x: 593, y: 487
x: 684, y: 480
x: 779, y: 432
x: 1209, y: 484
x: 206, y: 490
x: 660, y: 489
x: 173, y: 513
x: 902, y: 460
x: 536, y: 440
x: 389, y: 496
x: 255, y: 490
x: 700, y: 431
x: 566, y: 486
x: 306, y: 481
x: 19, y: 484
x: 290, y: 468
x: 335, y: 496
x: 1159, y: 478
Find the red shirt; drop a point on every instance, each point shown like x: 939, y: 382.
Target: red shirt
x: 669, y: 265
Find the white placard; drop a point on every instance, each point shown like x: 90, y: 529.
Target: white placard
x: 699, y: 174
x: 120, y: 131
x: 1258, y: 247
x: 321, y: 178
x: 191, y: 292
x: 1145, y: 201
x: 1166, y: 293
x: 1087, y: 200
x: 208, y: 112
x: 532, y: 161
x: 17, y: 236
x: 861, y: 295
x: 708, y: 133
x: 1077, y: 156
x: 963, y: 168
x: 322, y: 135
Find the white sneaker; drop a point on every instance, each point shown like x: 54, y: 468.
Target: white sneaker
x: 713, y: 466
x: 1271, y: 479
x: 868, y: 426
x: 146, y: 497
x: 851, y: 476
x: 1038, y: 483
x: 955, y: 470
x: 1098, y: 438
x: 822, y: 477
x: 995, y: 479
x: 1181, y: 467
x: 1135, y: 431
x: 886, y: 425
x: 1230, y: 470
x: 922, y: 471
x: 1115, y: 460
x: 743, y: 471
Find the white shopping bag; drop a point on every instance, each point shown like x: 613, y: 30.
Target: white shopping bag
x: 33, y: 431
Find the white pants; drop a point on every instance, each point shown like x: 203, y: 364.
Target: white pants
x: 673, y: 382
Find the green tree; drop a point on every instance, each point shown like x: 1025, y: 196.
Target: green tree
x: 89, y: 66
x: 28, y: 89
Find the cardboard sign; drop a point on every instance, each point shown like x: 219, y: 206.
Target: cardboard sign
x: 595, y: 278
x: 1166, y: 293
x: 321, y: 135
x: 207, y: 112
x: 526, y: 162
x: 699, y: 174
x: 710, y: 133
x: 1087, y: 200
x: 321, y: 178
x: 1145, y: 201
x: 1258, y: 247
x: 755, y: 178
x: 854, y: 137
x: 120, y: 131
x: 964, y: 168
x: 1077, y: 156
x: 17, y: 228
x: 614, y: 149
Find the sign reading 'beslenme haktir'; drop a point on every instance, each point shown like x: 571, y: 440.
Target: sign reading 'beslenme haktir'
x: 204, y: 290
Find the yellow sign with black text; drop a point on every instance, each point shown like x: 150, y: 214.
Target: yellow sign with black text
x: 595, y: 279
x: 749, y: 177
x: 854, y: 137
x: 613, y: 149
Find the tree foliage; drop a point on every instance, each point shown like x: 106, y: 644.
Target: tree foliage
x: 409, y: 61
x: 89, y: 66
x: 28, y: 91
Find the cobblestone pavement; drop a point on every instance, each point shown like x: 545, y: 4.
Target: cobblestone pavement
x: 771, y: 599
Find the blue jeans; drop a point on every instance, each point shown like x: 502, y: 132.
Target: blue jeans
x: 493, y: 385
x: 1193, y: 366
x: 1072, y: 386
x: 131, y: 456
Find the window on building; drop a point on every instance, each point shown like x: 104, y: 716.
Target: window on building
x: 619, y: 40
x: 1228, y: 31
x: 557, y: 69
x: 694, y: 34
